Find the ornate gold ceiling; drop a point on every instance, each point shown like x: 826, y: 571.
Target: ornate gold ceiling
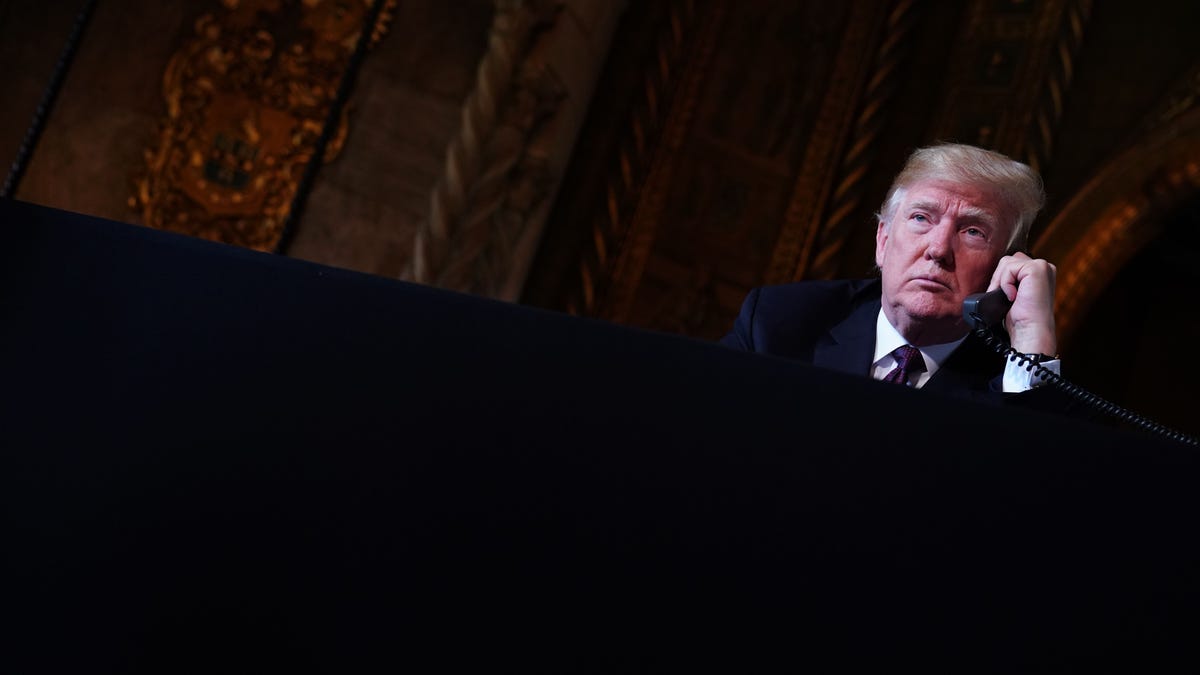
x: 692, y: 212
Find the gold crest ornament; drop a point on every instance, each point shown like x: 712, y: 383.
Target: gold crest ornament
x: 246, y: 100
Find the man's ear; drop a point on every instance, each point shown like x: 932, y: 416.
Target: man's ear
x: 881, y: 236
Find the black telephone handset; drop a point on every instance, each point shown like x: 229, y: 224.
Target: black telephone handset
x: 988, y: 309
x: 984, y: 311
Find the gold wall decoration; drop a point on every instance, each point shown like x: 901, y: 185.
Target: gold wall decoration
x: 246, y: 100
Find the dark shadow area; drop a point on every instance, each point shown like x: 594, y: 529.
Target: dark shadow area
x: 218, y: 460
x: 1135, y: 345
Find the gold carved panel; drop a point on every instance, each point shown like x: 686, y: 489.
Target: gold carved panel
x: 247, y: 96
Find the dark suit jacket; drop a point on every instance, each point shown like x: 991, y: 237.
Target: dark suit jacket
x: 831, y: 324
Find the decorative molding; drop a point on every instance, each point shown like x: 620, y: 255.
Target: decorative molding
x: 493, y: 177
x: 1039, y: 142
x: 1001, y: 73
x: 857, y: 160
x: 1119, y: 211
x: 814, y: 183
x: 1164, y: 132
x: 1183, y: 98
x: 246, y: 99
x: 634, y: 161
x: 1129, y: 223
x: 627, y: 268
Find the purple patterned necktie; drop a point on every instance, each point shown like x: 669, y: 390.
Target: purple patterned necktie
x: 908, y: 361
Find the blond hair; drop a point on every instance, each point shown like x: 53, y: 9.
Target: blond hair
x: 1019, y: 186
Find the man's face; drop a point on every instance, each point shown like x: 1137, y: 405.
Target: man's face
x: 942, y: 243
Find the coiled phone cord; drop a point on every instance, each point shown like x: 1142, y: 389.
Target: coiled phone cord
x: 1079, y: 393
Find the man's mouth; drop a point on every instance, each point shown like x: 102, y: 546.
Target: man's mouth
x: 931, y: 282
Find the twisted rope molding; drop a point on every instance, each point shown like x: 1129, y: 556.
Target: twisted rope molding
x: 814, y: 184
x: 1049, y: 110
x: 856, y: 161
x: 634, y: 158
x: 514, y: 182
x: 642, y: 228
x: 487, y: 159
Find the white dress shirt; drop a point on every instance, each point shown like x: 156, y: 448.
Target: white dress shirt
x: 888, y: 339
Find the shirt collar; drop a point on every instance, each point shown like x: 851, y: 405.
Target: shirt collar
x: 887, y: 339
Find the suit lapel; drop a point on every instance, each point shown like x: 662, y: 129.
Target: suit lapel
x: 849, y: 345
x: 969, y: 369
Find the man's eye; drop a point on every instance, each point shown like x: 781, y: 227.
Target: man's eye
x: 919, y: 217
x: 975, y: 232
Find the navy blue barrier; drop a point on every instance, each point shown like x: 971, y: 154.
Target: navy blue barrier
x: 216, y: 460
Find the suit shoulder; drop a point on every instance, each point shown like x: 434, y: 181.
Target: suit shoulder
x: 818, y: 295
x: 788, y: 319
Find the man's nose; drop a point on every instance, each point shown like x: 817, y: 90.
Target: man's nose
x: 939, y: 242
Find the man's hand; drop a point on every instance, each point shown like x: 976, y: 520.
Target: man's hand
x: 1029, y: 284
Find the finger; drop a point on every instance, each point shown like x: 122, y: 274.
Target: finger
x: 1008, y: 275
x: 998, y: 273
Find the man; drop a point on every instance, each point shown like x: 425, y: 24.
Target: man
x: 953, y: 224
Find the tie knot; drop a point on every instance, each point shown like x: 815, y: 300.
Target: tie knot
x: 909, y: 358
x: 908, y: 361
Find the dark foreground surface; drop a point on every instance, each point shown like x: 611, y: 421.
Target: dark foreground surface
x: 222, y: 461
